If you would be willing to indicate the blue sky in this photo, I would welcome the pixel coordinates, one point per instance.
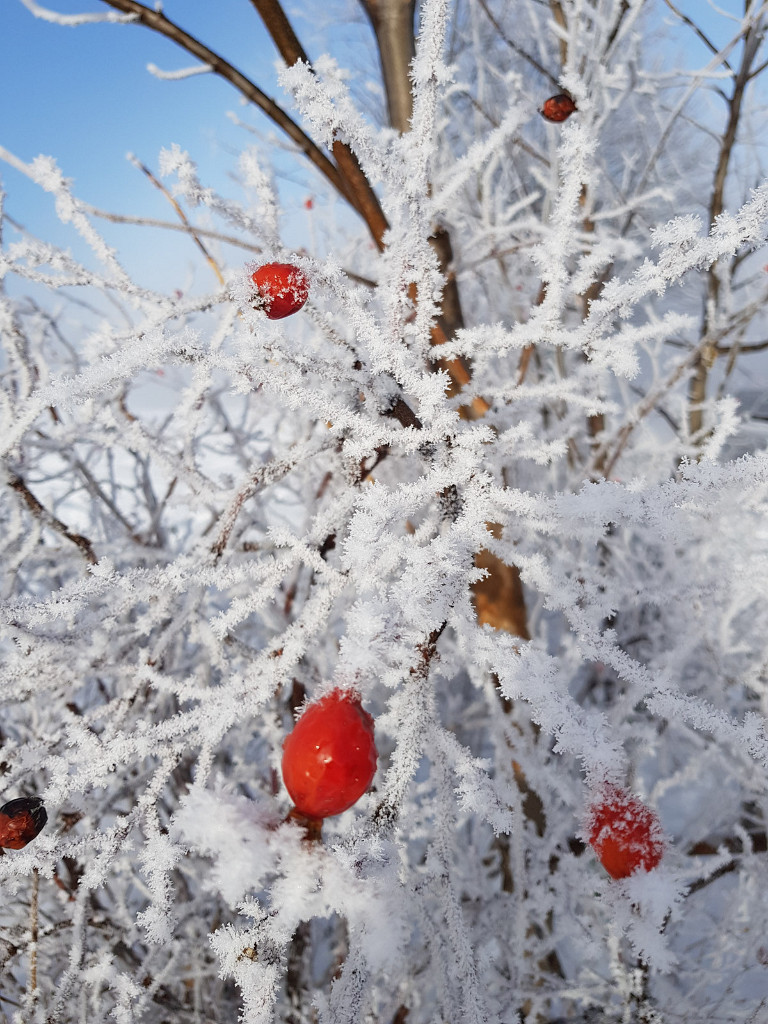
(84, 96)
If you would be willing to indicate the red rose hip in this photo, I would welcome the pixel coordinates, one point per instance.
(329, 759)
(283, 289)
(558, 108)
(20, 821)
(624, 833)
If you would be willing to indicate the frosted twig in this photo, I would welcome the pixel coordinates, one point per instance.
(182, 217)
(72, 20)
(181, 73)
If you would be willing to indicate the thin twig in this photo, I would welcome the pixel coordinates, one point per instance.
(182, 217)
(48, 519)
(158, 22)
(745, 350)
(691, 24)
(697, 388)
(185, 228)
(216, 236)
(518, 49)
(603, 464)
(387, 811)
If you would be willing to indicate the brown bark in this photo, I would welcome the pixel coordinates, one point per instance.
(559, 16)
(499, 599)
(359, 189)
(345, 176)
(393, 26)
(41, 513)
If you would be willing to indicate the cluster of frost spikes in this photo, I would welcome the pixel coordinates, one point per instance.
(210, 519)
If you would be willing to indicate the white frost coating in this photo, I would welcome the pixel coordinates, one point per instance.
(181, 73)
(73, 20)
(234, 833)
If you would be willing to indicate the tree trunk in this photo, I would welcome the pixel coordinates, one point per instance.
(393, 25)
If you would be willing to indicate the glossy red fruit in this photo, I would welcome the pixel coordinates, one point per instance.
(329, 759)
(283, 289)
(558, 108)
(624, 833)
(20, 821)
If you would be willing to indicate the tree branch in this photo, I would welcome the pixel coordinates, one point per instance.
(518, 49)
(691, 24)
(47, 518)
(697, 391)
(358, 188)
(758, 346)
(158, 22)
(393, 25)
(183, 218)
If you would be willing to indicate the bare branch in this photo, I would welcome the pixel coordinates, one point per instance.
(167, 225)
(182, 217)
(357, 187)
(758, 346)
(33, 993)
(605, 460)
(281, 30)
(48, 519)
(194, 230)
(698, 384)
(518, 49)
(393, 25)
(691, 24)
(158, 22)
(754, 38)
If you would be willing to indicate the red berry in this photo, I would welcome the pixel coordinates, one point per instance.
(20, 821)
(624, 833)
(283, 289)
(329, 759)
(558, 108)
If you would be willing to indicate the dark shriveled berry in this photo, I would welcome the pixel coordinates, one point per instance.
(558, 108)
(20, 821)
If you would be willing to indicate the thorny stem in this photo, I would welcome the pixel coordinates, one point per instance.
(297, 988)
(387, 811)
